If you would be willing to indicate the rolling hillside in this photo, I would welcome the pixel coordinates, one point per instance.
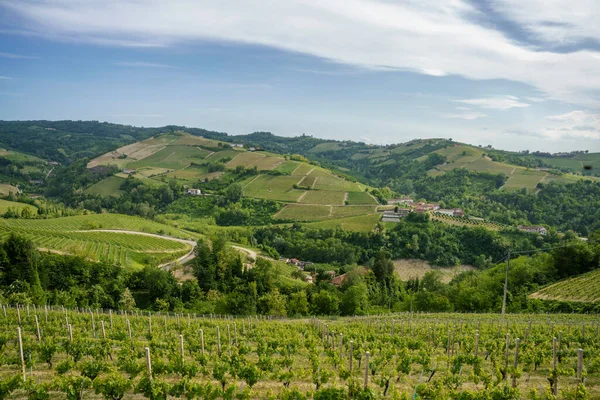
(312, 193)
(583, 288)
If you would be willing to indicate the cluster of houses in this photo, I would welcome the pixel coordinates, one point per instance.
(408, 206)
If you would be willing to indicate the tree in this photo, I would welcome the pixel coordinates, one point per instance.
(127, 302)
(383, 267)
(325, 303)
(273, 303)
(234, 193)
(297, 304)
(355, 301)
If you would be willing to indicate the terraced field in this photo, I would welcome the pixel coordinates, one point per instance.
(465, 221)
(583, 288)
(95, 237)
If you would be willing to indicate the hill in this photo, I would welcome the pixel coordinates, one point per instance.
(120, 239)
(583, 288)
(308, 191)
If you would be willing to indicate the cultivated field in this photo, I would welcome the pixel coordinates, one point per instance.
(360, 198)
(362, 223)
(297, 212)
(583, 288)
(407, 269)
(273, 188)
(408, 355)
(97, 237)
(323, 197)
(5, 205)
(107, 187)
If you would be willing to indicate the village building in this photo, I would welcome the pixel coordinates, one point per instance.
(533, 229)
(129, 171)
(402, 200)
(453, 212)
(194, 192)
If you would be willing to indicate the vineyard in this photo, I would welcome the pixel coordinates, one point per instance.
(466, 221)
(583, 288)
(94, 355)
(96, 237)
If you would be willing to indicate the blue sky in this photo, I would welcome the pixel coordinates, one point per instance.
(517, 75)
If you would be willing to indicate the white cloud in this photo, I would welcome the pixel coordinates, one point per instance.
(142, 64)
(6, 78)
(495, 102)
(435, 37)
(15, 56)
(575, 124)
(554, 21)
(469, 116)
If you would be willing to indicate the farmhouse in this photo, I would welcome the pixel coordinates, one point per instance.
(194, 192)
(402, 200)
(423, 207)
(453, 212)
(300, 264)
(129, 171)
(392, 216)
(238, 145)
(340, 279)
(533, 229)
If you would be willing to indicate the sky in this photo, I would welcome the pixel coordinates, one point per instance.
(514, 74)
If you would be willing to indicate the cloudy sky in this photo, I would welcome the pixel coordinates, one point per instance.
(517, 74)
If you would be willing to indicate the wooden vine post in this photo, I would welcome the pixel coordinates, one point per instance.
(202, 341)
(219, 341)
(20, 339)
(580, 365)
(366, 370)
(555, 366)
(70, 329)
(350, 355)
(514, 381)
(148, 362)
(37, 329)
(103, 330)
(506, 355)
(476, 343)
(181, 348)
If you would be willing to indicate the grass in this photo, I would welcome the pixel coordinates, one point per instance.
(297, 212)
(323, 147)
(273, 188)
(335, 184)
(5, 189)
(5, 205)
(107, 187)
(360, 198)
(268, 163)
(323, 197)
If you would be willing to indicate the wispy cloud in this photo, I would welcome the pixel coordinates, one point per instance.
(428, 37)
(236, 85)
(469, 116)
(495, 102)
(6, 78)
(575, 124)
(15, 56)
(142, 64)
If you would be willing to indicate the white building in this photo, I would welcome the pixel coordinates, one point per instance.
(194, 192)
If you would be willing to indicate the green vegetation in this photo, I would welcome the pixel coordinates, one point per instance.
(297, 212)
(583, 288)
(355, 198)
(15, 209)
(323, 197)
(110, 186)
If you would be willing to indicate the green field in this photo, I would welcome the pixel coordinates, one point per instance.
(5, 205)
(287, 167)
(303, 169)
(171, 157)
(297, 212)
(323, 197)
(247, 159)
(583, 288)
(334, 183)
(107, 187)
(360, 198)
(362, 223)
(273, 188)
(524, 179)
(350, 211)
(83, 236)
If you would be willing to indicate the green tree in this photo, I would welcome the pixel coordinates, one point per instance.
(355, 300)
(298, 304)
